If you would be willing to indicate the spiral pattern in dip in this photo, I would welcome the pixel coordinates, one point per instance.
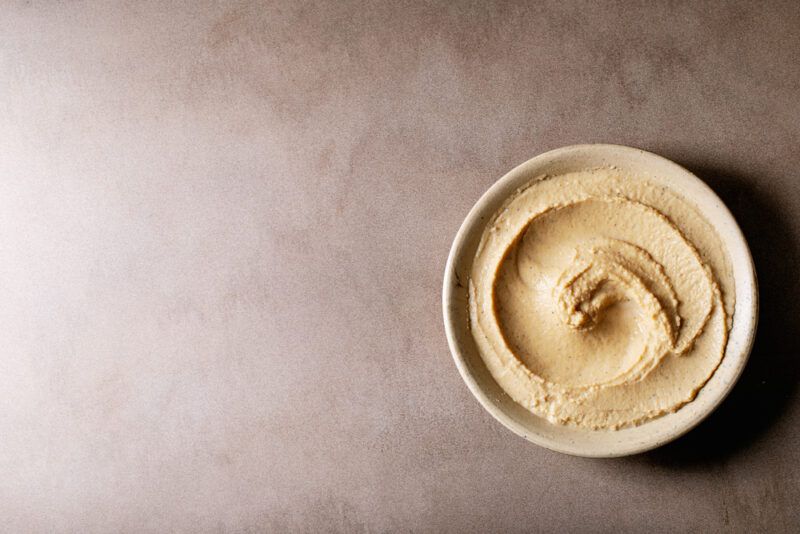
(600, 300)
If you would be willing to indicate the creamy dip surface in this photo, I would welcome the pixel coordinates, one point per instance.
(599, 299)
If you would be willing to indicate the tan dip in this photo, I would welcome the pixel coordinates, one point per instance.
(600, 300)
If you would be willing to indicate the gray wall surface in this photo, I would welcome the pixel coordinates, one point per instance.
(223, 229)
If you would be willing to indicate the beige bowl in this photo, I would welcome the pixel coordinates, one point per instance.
(598, 443)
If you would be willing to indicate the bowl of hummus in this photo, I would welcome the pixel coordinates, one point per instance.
(600, 300)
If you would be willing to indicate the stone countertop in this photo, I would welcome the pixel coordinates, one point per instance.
(224, 227)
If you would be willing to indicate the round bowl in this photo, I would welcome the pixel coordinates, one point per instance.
(577, 441)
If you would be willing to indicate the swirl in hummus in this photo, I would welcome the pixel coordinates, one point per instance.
(600, 300)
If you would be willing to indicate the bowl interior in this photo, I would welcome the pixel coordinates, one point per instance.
(579, 441)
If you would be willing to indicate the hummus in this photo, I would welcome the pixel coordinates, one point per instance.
(600, 300)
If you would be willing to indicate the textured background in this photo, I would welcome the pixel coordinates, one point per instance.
(223, 229)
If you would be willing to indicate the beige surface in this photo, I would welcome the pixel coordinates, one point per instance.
(223, 231)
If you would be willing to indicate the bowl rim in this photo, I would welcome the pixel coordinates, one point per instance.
(473, 219)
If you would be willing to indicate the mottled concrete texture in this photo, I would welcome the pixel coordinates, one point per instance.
(223, 229)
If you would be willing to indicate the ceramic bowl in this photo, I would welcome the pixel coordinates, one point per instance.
(582, 442)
